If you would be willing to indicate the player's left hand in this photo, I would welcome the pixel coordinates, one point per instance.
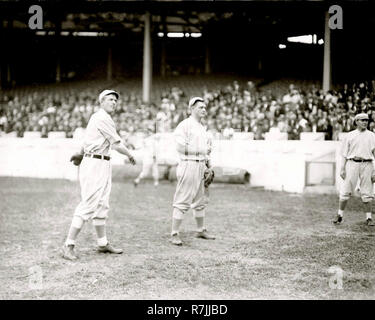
(76, 159)
(208, 177)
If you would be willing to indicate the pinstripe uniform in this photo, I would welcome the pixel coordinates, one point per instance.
(95, 175)
(190, 191)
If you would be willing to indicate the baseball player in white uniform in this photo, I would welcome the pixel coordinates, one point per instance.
(193, 147)
(149, 159)
(95, 175)
(358, 152)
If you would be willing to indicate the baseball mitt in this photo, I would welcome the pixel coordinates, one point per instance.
(76, 159)
(208, 177)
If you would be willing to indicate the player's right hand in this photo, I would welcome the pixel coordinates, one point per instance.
(343, 174)
(132, 160)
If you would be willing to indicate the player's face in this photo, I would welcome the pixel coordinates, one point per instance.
(362, 124)
(200, 109)
(109, 103)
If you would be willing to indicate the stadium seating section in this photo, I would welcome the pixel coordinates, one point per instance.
(237, 108)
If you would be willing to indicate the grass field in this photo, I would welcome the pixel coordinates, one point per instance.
(270, 245)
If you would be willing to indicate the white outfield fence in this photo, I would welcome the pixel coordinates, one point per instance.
(281, 165)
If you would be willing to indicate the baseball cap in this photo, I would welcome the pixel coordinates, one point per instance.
(361, 116)
(107, 92)
(194, 100)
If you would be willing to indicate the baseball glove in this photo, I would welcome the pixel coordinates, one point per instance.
(208, 177)
(76, 159)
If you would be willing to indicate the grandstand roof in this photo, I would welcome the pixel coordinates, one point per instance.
(283, 17)
(242, 36)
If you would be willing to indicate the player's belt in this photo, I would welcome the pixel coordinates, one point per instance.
(361, 160)
(97, 156)
(202, 160)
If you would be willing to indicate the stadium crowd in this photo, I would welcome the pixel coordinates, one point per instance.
(247, 107)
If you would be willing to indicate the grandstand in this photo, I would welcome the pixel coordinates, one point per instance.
(220, 48)
(231, 105)
(257, 82)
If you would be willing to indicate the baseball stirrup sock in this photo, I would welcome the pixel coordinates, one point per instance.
(98, 222)
(368, 215)
(199, 213)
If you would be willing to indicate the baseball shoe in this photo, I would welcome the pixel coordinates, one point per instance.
(337, 220)
(68, 252)
(109, 249)
(135, 183)
(370, 223)
(205, 235)
(175, 239)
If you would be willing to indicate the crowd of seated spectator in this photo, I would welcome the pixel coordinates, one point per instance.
(297, 110)
(278, 107)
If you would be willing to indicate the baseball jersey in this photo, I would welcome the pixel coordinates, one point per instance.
(193, 142)
(100, 134)
(359, 144)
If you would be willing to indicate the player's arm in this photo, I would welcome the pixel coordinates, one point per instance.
(373, 168)
(208, 163)
(107, 128)
(373, 149)
(154, 148)
(120, 147)
(209, 149)
(344, 158)
(343, 166)
(181, 139)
